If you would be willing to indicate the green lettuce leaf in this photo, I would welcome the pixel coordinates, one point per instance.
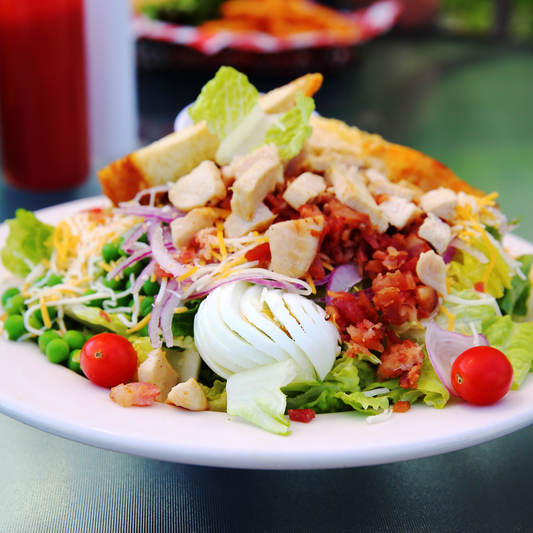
(359, 402)
(229, 104)
(435, 393)
(296, 128)
(465, 270)
(515, 340)
(256, 396)
(183, 323)
(28, 243)
(216, 396)
(95, 319)
(515, 299)
(465, 314)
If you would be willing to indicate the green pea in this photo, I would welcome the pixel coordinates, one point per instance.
(74, 361)
(57, 351)
(35, 322)
(119, 247)
(14, 325)
(45, 338)
(89, 336)
(15, 305)
(114, 284)
(9, 294)
(146, 305)
(99, 302)
(124, 301)
(52, 313)
(143, 238)
(143, 332)
(54, 279)
(134, 269)
(151, 288)
(74, 339)
(110, 252)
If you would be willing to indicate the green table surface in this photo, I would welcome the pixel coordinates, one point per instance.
(468, 104)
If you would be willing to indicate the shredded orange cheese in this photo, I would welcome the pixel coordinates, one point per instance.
(220, 237)
(187, 274)
(309, 280)
(44, 312)
(451, 318)
(140, 325)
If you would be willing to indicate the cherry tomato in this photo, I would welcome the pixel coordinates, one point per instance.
(482, 375)
(108, 360)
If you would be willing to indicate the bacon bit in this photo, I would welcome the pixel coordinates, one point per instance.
(401, 407)
(280, 207)
(391, 334)
(479, 286)
(404, 360)
(391, 259)
(364, 337)
(397, 307)
(399, 280)
(134, 394)
(427, 299)
(260, 253)
(301, 415)
(161, 273)
(316, 270)
(105, 316)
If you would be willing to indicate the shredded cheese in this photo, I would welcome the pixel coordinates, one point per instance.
(451, 318)
(140, 324)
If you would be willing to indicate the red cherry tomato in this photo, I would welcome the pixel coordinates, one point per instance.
(108, 360)
(482, 375)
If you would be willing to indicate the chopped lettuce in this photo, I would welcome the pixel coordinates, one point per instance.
(358, 401)
(435, 393)
(515, 299)
(229, 104)
(28, 243)
(96, 319)
(183, 323)
(216, 396)
(515, 340)
(256, 395)
(465, 270)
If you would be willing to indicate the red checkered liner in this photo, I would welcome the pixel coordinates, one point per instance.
(369, 23)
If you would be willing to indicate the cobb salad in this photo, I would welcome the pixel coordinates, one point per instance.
(297, 268)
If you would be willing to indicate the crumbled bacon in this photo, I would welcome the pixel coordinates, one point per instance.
(364, 337)
(401, 407)
(301, 415)
(427, 299)
(350, 309)
(403, 360)
(316, 270)
(280, 207)
(135, 394)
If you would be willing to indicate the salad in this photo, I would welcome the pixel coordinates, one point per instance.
(299, 267)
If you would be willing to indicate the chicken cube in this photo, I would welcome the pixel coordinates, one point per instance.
(442, 202)
(235, 226)
(351, 191)
(431, 270)
(185, 228)
(436, 232)
(241, 163)
(379, 184)
(157, 370)
(188, 395)
(202, 187)
(399, 212)
(304, 188)
(294, 245)
(253, 185)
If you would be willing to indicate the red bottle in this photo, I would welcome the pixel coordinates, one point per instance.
(43, 104)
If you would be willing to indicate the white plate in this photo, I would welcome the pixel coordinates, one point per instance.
(56, 400)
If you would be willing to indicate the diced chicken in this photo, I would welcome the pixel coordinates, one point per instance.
(189, 395)
(464, 200)
(436, 232)
(379, 184)
(351, 191)
(431, 270)
(228, 175)
(185, 228)
(157, 370)
(253, 185)
(304, 188)
(399, 212)
(134, 394)
(202, 187)
(442, 202)
(235, 226)
(241, 163)
(294, 245)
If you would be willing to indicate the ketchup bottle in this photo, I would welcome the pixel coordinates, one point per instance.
(43, 103)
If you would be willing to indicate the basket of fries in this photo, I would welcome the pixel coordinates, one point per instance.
(257, 36)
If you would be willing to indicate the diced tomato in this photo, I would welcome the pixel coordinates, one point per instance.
(401, 407)
(479, 286)
(260, 253)
(301, 415)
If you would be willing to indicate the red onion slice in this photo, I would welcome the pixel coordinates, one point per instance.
(161, 255)
(168, 214)
(167, 313)
(448, 255)
(343, 278)
(444, 347)
(145, 275)
(129, 244)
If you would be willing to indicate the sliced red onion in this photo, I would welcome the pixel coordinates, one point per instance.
(167, 313)
(323, 281)
(152, 190)
(444, 347)
(145, 275)
(128, 244)
(149, 213)
(162, 256)
(343, 278)
(449, 254)
(137, 256)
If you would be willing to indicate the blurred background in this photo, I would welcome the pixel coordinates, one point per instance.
(451, 78)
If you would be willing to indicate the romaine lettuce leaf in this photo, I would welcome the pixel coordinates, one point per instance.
(435, 393)
(256, 395)
(96, 319)
(515, 299)
(216, 396)
(183, 323)
(360, 402)
(515, 340)
(28, 243)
